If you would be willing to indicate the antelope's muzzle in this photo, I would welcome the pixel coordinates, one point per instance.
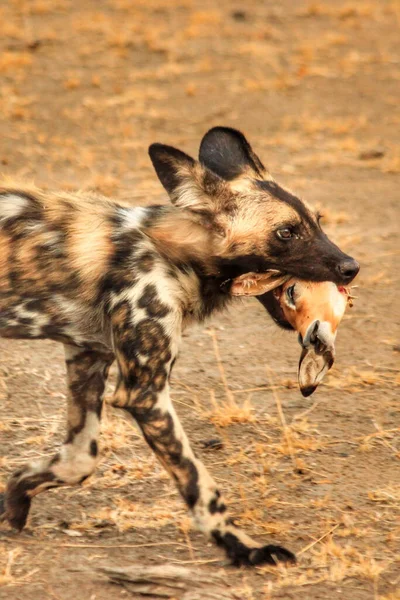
(317, 356)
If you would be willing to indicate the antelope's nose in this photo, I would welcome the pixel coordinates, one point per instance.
(348, 269)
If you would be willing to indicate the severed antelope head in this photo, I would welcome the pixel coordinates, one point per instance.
(314, 310)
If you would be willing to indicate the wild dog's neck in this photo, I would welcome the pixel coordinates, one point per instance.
(188, 246)
(180, 237)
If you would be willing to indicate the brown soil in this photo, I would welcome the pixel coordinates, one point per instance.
(85, 87)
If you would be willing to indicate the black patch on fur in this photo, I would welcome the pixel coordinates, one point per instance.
(284, 196)
(240, 554)
(144, 262)
(17, 502)
(213, 297)
(151, 337)
(215, 507)
(26, 320)
(2, 507)
(120, 274)
(93, 448)
(35, 305)
(159, 432)
(152, 304)
(191, 492)
(56, 459)
(229, 268)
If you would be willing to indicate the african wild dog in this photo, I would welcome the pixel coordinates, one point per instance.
(114, 282)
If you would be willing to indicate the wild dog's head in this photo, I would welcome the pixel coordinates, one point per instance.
(257, 225)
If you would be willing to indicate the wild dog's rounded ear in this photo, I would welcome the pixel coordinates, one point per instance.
(171, 165)
(188, 184)
(227, 153)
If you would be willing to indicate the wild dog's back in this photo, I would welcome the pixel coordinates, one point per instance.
(63, 256)
(54, 250)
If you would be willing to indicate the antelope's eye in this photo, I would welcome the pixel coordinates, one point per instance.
(290, 296)
(284, 234)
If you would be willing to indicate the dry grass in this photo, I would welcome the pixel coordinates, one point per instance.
(14, 62)
(354, 379)
(228, 411)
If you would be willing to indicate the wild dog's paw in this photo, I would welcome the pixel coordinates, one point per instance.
(271, 555)
(14, 507)
(241, 554)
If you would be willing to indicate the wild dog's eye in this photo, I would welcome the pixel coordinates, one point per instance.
(290, 296)
(285, 233)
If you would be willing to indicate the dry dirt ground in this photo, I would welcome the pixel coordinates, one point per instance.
(85, 86)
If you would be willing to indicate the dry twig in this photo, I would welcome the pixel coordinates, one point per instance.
(169, 581)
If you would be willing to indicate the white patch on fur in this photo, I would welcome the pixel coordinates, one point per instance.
(133, 217)
(338, 301)
(190, 195)
(71, 352)
(11, 206)
(76, 461)
(325, 331)
(203, 519)
(39, 319)
(52, 238)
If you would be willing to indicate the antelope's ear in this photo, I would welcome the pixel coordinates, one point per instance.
(189, 184)
(227, 153)
(256, 284)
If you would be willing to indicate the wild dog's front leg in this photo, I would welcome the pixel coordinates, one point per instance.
(166, 437)
(143, 391)
(76, 460)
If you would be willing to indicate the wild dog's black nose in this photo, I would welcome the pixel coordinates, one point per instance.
(348, 269)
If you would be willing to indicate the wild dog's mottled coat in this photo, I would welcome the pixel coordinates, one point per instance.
(115, 282)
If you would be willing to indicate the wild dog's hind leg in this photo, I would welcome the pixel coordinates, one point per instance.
(144, 355)
(86, 375)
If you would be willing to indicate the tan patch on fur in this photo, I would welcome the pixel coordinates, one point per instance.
(255, 218)
(74, 413)
(4, 261)
(90, 248)
(120, 397)
(245, 182)
(84, 217)
(180, 238)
